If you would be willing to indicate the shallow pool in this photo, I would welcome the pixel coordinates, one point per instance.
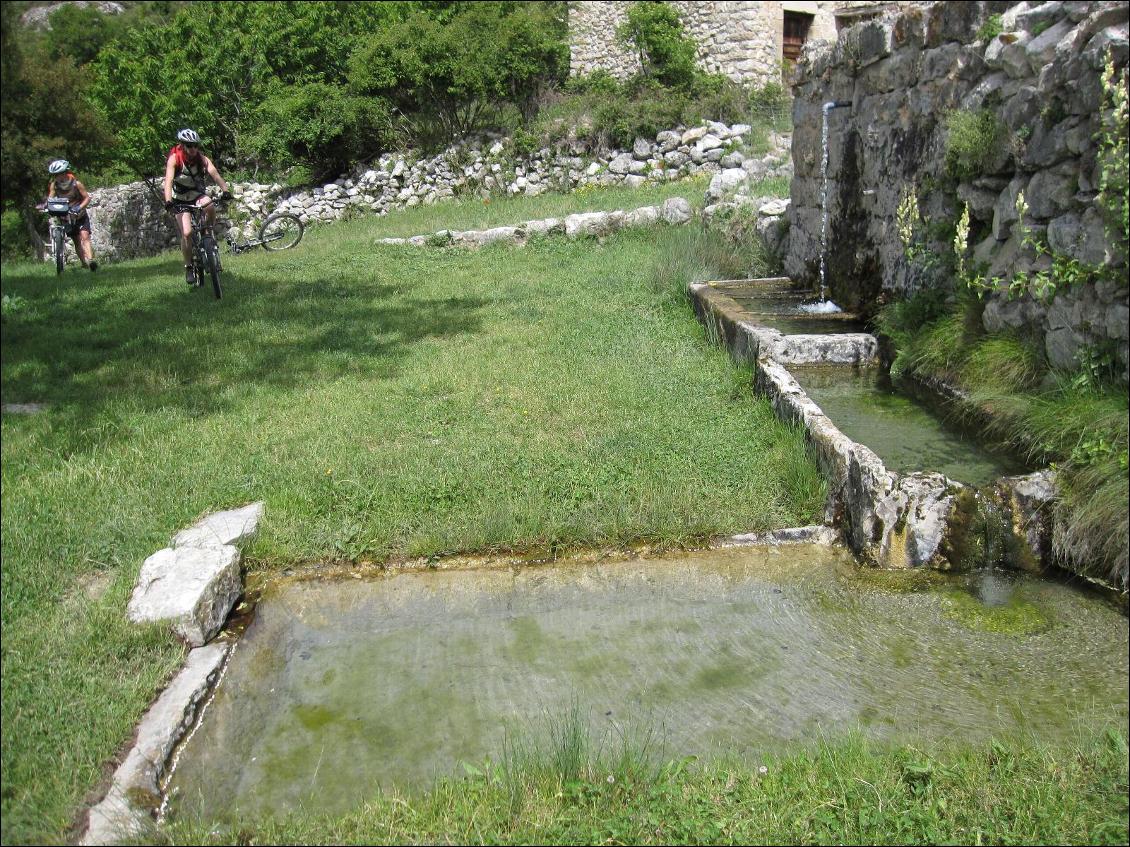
(905, 433)
(338, 688)
(779, 306)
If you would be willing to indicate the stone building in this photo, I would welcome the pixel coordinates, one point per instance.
(746, 41)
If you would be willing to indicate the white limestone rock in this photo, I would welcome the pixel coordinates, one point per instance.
(676, 210)
(222, 528)
(192, 588)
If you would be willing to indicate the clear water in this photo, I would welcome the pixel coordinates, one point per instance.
(790, 310)
(339, 688)
(904, 433)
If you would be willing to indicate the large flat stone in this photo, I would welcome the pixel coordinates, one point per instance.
(125, 813)
(192, 588)
(222, 528)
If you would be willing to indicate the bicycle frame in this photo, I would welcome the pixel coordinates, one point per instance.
(200, 251)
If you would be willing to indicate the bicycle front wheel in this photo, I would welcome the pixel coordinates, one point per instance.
(281, 231)
(212, 256)
(59, 246)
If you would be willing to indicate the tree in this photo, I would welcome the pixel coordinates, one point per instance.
(316, 124)
(666, 53)
(457, 65)
(43, 116)
(213, 64)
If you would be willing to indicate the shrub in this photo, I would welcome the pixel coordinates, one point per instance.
(974, 140)
(320, 126)
(990, 29)
(666, 53)
(459, 68)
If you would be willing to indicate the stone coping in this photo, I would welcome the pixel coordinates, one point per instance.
(125, 813)
(673, 211)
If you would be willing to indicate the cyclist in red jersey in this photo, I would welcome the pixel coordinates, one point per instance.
(185, 171)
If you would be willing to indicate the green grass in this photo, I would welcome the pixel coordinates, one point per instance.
(383, 401)
(571, 791)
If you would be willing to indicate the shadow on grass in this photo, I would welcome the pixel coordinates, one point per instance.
(93, 351)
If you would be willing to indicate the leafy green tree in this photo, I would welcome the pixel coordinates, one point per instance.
(459, 65)
(43, 116)
(213, 64)
(666, 53)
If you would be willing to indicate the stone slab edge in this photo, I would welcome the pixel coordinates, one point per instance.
(125, 812)
(818, 534)
(572, 226)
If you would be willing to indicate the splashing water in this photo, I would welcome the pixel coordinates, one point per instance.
(824, 307)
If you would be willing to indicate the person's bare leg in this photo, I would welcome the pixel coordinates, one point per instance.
(86, 250)
(186, 243)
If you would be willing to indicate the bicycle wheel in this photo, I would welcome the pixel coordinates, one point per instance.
(281, 231)
(58, 244)
(212, 260)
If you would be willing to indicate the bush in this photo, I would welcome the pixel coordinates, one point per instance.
(973, 142)
(459, 69)
(14, 241)
(320, 126)
(666, 54)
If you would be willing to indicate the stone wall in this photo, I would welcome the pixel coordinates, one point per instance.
(739, 39)
(903, 75)
(128, 221)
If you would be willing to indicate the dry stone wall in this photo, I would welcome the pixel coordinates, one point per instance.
(128, 221)
(903, 75)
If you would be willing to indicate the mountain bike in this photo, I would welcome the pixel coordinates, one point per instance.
(205, 251)
(280, 231)
(62, 221)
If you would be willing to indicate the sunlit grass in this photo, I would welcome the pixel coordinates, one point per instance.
(383, 401)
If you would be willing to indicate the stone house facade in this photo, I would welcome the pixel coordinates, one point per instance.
(746, 41)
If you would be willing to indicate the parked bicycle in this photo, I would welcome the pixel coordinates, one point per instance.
(205, 251)
(280, 231)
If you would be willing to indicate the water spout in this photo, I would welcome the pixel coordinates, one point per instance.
(828, 107)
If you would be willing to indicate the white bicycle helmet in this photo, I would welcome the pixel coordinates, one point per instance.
(188, 136)
(59, 166)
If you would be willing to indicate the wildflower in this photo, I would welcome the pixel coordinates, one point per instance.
(763, 770)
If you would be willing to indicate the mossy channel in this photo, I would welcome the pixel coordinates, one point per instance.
(338, 689)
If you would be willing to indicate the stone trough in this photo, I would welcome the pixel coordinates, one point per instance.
(889, 519)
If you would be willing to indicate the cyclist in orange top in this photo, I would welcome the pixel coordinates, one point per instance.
(66, 185)
(185, 171)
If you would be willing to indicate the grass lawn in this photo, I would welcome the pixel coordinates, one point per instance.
(383, 401)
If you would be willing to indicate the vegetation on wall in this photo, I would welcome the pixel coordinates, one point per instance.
(666, 52)
(974, 140)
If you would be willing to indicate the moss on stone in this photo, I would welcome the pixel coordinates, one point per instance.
(1015, 618)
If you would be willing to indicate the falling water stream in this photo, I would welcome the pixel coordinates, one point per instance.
(825, 305)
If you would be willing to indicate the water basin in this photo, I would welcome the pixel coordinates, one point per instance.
(905, 433)
(778, 306)
(338, 688)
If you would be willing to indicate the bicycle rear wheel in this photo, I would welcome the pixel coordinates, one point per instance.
(58, 244)
(212, 256)
(281, 231)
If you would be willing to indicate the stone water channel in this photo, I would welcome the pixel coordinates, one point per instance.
(341, 688)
